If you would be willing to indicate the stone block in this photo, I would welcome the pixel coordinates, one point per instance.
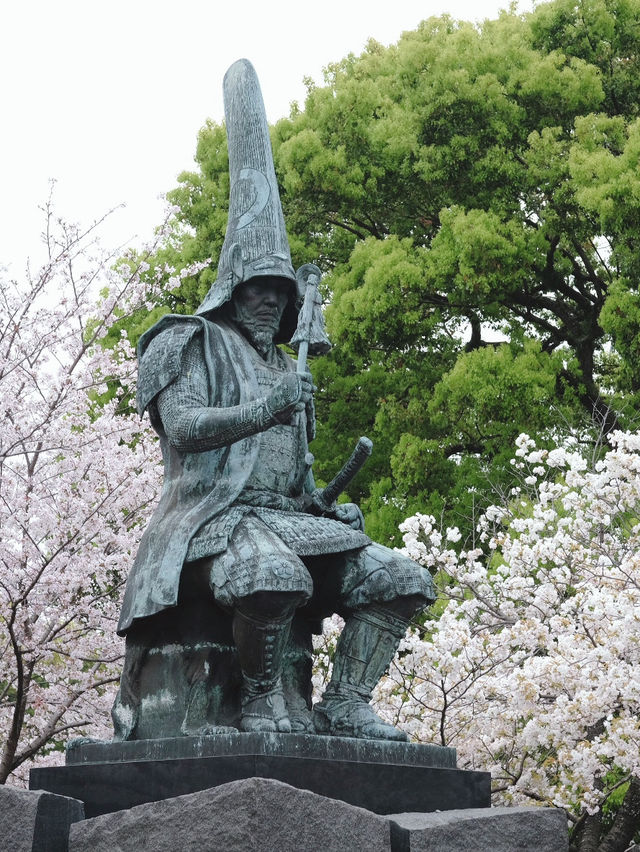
(255, 815)
(517, 829)
(36, 821)
(268, 744)
(383, 777)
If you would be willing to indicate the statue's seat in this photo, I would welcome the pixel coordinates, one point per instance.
(187, 679)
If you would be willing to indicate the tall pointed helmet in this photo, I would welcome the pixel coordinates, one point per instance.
(255, 244)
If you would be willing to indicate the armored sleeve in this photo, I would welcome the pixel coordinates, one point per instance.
(190, 424)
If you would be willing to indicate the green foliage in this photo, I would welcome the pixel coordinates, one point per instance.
(493, 391)
(467, 184)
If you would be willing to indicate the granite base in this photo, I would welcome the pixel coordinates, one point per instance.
(382, 777)
(263, 815)
(36, 821)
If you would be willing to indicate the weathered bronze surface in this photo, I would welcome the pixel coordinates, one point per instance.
(243, 557)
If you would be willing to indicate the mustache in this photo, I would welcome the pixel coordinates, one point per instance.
(265, 317)
(270, 315)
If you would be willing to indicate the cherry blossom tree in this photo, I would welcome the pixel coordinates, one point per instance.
(77, 479)
(530, 666)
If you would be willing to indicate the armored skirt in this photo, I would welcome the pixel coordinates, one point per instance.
(274, 551)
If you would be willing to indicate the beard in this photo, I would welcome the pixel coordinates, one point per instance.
(259, 330)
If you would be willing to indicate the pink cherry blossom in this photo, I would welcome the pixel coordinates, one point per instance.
(77, 480)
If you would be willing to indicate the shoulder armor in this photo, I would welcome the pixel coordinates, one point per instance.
(160, 352)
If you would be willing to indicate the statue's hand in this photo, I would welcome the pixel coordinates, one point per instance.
(292, 393)
(349, 514)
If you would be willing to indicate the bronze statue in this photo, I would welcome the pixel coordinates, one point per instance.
(243, 556)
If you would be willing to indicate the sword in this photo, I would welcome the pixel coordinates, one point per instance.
(324, 499)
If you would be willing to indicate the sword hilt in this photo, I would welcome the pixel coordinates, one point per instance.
(325, 498)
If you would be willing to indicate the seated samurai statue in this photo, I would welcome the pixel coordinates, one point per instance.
(238, 564)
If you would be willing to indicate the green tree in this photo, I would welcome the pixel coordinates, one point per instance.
(467, 184)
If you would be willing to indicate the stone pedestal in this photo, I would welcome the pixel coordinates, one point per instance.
(380, 776)
(250, 792)
(481, 829)
(257, 814)
(36, 821)
(262, 815)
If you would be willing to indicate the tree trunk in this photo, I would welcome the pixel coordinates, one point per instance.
(626, 822)
(23, 677)
(597, 408)
(587, 835)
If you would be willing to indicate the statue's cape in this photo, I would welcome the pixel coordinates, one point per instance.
(197, 486)
(160, 353)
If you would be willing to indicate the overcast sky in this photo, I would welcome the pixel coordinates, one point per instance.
(107, 96)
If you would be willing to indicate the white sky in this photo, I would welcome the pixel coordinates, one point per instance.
(107, 96)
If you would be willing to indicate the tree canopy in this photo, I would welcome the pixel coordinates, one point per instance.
(472, 194)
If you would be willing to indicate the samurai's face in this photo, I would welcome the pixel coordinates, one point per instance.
(257, 307)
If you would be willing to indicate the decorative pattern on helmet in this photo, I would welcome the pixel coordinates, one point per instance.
(255, 243)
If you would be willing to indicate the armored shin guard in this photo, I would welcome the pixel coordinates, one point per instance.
(363, 654)
(260, 643)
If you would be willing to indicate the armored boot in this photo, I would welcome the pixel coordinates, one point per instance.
(363, 654)
(260, 643)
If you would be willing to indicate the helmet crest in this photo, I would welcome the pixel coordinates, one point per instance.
(255, 244)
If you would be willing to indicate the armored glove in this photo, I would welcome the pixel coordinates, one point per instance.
(292, 394)
(349, 514)
(346, 513)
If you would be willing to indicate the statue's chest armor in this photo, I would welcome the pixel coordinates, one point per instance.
(276, 467)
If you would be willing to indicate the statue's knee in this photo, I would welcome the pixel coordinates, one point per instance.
(381, 587)
(376, 586)
(407, 606)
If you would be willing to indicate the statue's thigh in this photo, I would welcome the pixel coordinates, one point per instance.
(256, 560)
(372, 574)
